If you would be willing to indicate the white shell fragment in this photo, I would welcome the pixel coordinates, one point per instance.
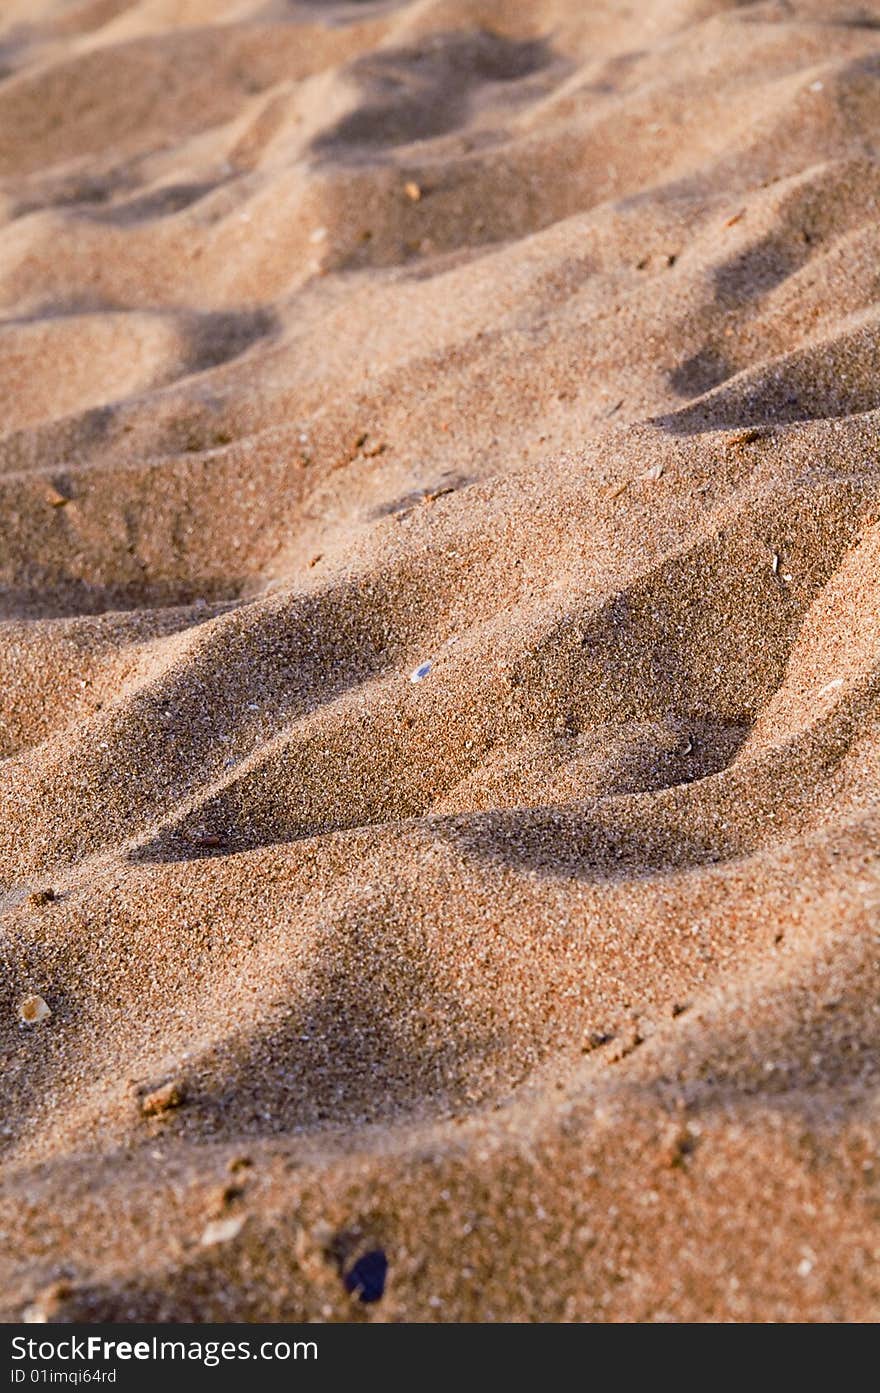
(222, 1230)
(419, 673)
(32, 1010)
(830, 687)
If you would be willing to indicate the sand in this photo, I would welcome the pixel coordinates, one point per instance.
(440, 660)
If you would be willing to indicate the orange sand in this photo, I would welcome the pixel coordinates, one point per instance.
(540, 342)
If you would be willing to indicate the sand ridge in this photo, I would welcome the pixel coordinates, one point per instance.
(538, 344)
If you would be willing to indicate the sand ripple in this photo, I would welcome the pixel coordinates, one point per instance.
(539, 344)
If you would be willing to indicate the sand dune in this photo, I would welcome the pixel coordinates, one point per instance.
(539, 344)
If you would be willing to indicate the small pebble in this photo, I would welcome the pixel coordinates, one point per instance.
(39, 898)
(223, 1197)
(163, 1099)
(629, 1039)
(47, 1304)
(33, 1009)
(677, 1145)
(366, 1278)
(238, 1163)
(222, 1230)
(204, 839)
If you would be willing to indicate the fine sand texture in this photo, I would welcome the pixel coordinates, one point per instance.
(440, 660)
